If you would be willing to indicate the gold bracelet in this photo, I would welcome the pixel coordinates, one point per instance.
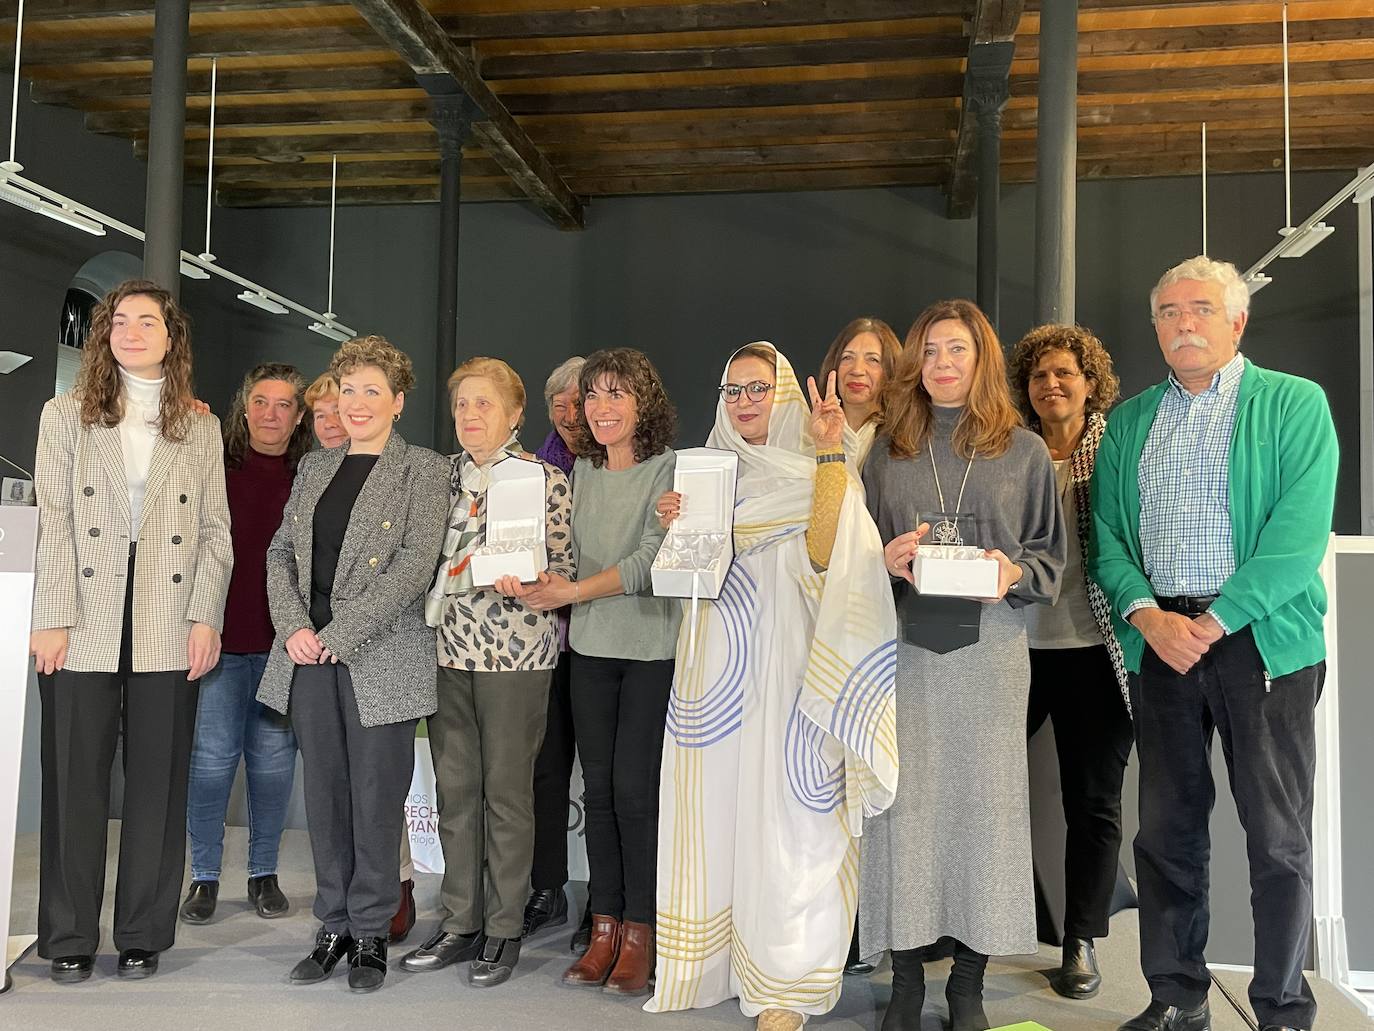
(577, 593)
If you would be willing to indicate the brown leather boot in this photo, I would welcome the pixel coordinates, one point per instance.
(596, 963)
(404, 919)
(636, 963)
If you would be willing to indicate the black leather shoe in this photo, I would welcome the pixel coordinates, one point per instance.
(1160, 1016)
(199, 906)
(137, 963)
(547, 907)
(443, 949)
(71, 969)
(582, 937)
(1078, 976)
(267, 897)
(367, 964)
(495, 963)
(329, 949)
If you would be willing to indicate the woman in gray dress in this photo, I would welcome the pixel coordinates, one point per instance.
(949, 862)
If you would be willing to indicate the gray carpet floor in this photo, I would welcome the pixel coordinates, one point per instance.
(230, 975)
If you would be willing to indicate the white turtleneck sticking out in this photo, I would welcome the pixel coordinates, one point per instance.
(138, 432)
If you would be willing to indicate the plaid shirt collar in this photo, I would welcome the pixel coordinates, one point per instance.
(1224, 381)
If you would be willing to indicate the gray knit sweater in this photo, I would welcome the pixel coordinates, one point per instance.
(614, 524)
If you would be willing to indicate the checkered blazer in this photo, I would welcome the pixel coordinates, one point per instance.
(184, 553)
(389, 555)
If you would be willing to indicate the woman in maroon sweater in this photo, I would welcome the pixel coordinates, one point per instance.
(264, 437)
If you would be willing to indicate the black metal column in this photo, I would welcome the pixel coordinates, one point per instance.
(452, 114)
(1056, 157)
(989, 94)
(166, 146)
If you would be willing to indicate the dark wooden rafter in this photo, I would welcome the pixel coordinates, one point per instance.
(418, 38)
(990, 50)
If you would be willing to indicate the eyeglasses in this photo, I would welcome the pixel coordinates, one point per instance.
(756, 390)
(1200, 312)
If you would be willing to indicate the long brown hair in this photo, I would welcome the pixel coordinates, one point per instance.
(236, 426)
(989, 414)
(632, 372)
(98, 386)
(891, 352)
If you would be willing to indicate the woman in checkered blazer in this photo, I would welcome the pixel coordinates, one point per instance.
(133, 568)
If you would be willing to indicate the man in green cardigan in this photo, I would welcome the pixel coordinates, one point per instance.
(1212, 502)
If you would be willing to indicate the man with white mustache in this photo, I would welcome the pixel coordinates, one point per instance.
(1212, 501)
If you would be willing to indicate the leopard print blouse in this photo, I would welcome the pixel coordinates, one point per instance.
(487, 632)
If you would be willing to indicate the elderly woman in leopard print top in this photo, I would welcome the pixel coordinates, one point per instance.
(496, 657)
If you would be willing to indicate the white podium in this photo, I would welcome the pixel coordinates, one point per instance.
(18, 540)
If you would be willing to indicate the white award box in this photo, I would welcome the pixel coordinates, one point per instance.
(954, 571)
(696, 554)
(515, 525)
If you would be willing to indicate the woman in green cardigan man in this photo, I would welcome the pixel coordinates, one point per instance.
(1212, 506)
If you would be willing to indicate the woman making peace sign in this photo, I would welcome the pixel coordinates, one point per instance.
(781, 734)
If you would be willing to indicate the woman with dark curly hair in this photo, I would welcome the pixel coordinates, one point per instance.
(1064, 384)
(863, 358)
(134, 561)
(623, 640)
(353, 659)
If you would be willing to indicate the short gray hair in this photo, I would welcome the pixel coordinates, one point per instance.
(1235, 294)
(562, 378)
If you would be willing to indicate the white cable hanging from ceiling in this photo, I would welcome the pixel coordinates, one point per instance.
(327, 327)
(32, 196)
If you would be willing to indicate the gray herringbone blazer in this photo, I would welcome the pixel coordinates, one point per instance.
(184, 552)
(389, 555)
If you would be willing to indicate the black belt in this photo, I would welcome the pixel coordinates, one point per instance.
(1188, 605)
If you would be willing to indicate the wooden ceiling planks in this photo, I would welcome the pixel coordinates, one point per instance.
(654, 96)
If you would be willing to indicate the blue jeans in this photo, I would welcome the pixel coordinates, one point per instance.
(231, 723)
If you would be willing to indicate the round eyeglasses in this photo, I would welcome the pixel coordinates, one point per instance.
(757, 391)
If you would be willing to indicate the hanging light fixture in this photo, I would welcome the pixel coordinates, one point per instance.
(258, 299)
(326, 327)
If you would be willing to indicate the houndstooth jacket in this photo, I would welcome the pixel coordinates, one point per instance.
(388, 558)
(181, 576)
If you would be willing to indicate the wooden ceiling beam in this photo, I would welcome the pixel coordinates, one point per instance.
(758, 55)
(412, 31)
(990, 49)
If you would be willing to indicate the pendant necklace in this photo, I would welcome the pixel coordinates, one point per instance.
(946, 531)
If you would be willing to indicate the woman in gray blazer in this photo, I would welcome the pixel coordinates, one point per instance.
(353, 660)
(133, 568)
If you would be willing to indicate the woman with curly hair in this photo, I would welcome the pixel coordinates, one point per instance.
(353, 659)
(1064, 383)
(863, 358)
(948, 865)
(623, 640)
(134, 559)
(264, 439)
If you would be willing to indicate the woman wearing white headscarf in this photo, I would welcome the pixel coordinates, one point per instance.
(781, 733)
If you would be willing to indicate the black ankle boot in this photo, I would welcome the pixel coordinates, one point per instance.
(908, 992)
(964, 990)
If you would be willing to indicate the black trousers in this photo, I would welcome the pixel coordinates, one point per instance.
(1268, 736)
(1077, 690)
(619, 707)
(552, 776)
(82, 715)
(356, 782)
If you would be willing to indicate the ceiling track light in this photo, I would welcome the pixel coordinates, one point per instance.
(1364, 193)
(191, 271)
(27, 201)
(1257, 282)
(1304, 240)
(328, 329)
(261, 300)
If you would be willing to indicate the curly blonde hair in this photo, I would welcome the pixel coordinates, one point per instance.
(1092, 358)
(507, 380)
(380, 353)
(325, 388)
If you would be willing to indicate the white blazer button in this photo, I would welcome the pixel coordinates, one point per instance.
(386, 524)
(372, 561)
